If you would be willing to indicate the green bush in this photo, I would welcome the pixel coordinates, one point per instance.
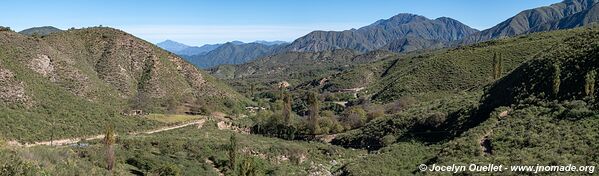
(168, 170)
(354, 117)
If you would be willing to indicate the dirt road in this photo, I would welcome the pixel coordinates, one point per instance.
(68, 141)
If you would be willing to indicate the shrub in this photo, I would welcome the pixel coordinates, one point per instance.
(389, 139)
(329, 124)
(354, 117)
(400, 104)
(375, 112)
(251, 166)
(16, 166)
(168, 170)
(142, 162)
(434, 119)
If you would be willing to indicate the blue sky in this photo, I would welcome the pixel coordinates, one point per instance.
(217, 21)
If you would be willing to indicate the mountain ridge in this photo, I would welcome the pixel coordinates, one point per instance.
(535, 20)
(381, 32)
(231, 53)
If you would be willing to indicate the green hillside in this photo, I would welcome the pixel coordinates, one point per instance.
(187, 151)
(78, 80)
(544, 125)
(292, 67)
(520, 119)
(461, 68)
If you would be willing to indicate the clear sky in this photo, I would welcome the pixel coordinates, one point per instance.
(217, 21)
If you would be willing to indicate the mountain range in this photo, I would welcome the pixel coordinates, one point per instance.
(400, 33)
(231, 53)
(210, 55)
(564, 15)
(408, 32)
(398, 28)
(186, 50)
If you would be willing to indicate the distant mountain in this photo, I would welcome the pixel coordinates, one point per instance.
(276, 42)
(563, 15)
(172, 46)
(194, 50)
(185, 50)
(232, 53)
(382, 32)
(42, 31)
(236, 42)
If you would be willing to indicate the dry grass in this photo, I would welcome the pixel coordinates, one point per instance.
(172, 118)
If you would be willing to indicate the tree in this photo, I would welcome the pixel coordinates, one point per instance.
(140, 101)
(497, 66)
(252, 90)
(232, 152)
(171, 106)
(109, 141)
(2, 28)
(287, 108)
(313, 111)
(500, 67)
(589, 83)
(250, 166)
(354, 117)
(556, 79)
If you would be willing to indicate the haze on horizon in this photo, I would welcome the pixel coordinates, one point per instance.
(197, 23)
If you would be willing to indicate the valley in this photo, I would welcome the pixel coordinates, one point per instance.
(388, 98)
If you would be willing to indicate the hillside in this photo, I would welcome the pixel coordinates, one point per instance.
(564, 15)
(562, 116)
(79, 80)
(571, 63)
(300, 69)
(451, 81)
(41, 31)
(408, 44)
(383, 32)
(461, 68)
(524, 114)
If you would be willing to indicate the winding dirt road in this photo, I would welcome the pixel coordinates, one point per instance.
(60, 142)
